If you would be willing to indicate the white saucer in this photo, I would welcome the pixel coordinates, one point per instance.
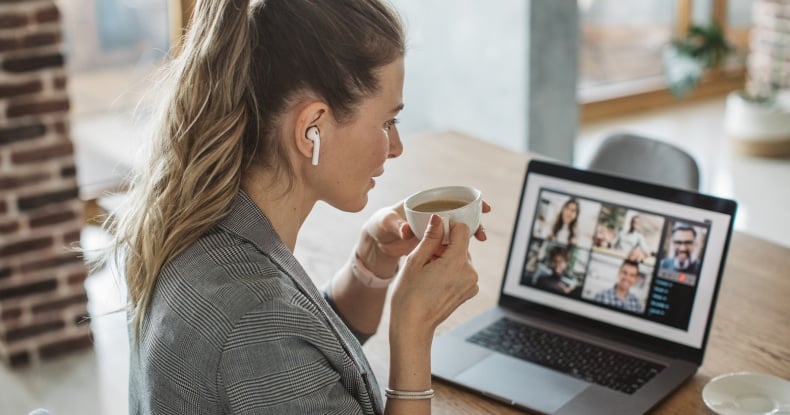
(747, 393)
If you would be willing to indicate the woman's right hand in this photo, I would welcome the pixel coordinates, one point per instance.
(435, 280)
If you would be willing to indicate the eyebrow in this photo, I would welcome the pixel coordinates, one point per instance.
(398, 108)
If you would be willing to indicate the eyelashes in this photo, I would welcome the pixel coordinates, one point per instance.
(389, 124)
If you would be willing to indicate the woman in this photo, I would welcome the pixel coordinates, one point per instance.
(632, 242)
(564, 228)
(275, 105)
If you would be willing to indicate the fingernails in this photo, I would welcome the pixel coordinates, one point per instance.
(436, 220)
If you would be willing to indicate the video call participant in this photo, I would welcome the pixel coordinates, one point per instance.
(564, 228)
(632, 242)
(620, 295)
(684, 238)
(558, 261)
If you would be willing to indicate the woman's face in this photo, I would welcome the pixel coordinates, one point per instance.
(360, 147)
(569, 212)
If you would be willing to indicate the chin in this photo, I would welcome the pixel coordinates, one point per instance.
(354, 205)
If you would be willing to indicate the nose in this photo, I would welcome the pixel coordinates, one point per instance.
(396, 146)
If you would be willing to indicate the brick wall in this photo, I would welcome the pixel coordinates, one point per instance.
(42, 295)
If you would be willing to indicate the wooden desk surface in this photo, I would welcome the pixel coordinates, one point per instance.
(751, 330)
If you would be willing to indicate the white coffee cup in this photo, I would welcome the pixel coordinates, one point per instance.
(454, 204)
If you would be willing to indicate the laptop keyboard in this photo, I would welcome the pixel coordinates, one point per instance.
(576, 358)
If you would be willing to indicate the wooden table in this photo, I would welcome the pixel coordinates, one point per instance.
(751, 330)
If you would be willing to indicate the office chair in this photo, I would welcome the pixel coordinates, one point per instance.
(646, 159)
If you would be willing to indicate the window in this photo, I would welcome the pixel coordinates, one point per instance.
(621, 44)
(112, 48)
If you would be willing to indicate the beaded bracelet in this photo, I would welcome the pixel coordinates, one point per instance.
(409, 395)
(366, 276)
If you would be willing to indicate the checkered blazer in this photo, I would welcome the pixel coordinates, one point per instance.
(236, 326)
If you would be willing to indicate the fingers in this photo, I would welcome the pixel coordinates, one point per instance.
(392, 222)
(436, 278)
(431, 240)
(459, 237)
(469, 286)
(480, 235)
(385, 221)
(459, 240)
(405, 231)
(439, 251)
(473, 291)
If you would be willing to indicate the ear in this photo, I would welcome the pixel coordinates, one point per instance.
(313, 114)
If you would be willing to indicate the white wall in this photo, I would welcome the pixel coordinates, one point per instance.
(503, 71)
(466, 68)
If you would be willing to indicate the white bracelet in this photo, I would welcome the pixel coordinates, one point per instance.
(366, 276)
(409, 395)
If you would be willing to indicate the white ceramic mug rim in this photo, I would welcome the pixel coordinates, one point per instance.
(410, 201)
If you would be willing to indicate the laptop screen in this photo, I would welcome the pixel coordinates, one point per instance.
(638, 256)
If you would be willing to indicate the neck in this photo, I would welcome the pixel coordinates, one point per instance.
(286, 208)
(620, 292)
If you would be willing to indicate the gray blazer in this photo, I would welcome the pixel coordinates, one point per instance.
(237, 326)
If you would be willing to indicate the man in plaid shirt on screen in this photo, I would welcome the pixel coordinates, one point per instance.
(620, 296)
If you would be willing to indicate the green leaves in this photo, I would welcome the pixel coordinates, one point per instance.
(685, 60)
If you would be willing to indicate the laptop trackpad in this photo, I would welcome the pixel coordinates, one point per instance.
(524, 383)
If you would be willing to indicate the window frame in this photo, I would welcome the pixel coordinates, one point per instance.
(714, 83)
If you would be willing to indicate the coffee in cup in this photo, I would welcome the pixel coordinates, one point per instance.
(451, 203)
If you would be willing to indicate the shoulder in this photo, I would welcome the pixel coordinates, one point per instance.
(223, 266)
(221, 287)
(210, 287)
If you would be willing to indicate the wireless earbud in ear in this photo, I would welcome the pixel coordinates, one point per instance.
(312, 135)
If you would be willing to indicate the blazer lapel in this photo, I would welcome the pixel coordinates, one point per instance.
(249, 222)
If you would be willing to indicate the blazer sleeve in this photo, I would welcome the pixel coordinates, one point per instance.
(273, 363)
(361, 337)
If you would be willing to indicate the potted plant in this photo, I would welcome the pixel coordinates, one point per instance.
(686, 59)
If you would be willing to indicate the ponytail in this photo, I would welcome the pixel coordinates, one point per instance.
(195, 166)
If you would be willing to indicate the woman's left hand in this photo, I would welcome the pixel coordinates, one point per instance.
(386, 237)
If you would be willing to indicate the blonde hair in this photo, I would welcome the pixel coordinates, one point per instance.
(240, 64)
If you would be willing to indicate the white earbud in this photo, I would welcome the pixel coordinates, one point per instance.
(312, 135)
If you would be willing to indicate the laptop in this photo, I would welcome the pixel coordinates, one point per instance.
(607, 298)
